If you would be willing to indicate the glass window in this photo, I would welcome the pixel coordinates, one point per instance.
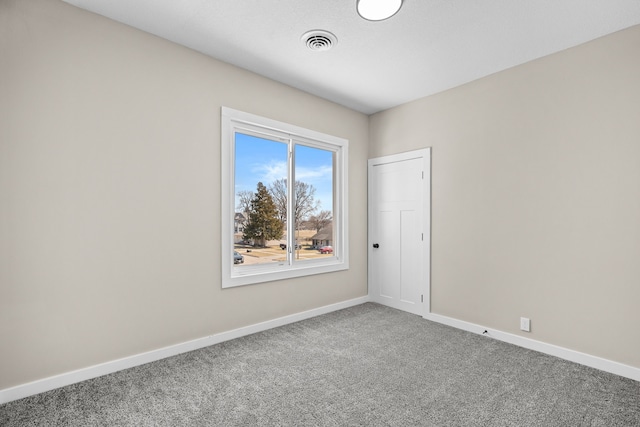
(273, 230)
(260, 163)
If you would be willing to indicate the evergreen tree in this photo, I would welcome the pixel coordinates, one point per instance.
(264, 223)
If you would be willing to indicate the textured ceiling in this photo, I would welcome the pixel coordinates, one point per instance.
(428, 47)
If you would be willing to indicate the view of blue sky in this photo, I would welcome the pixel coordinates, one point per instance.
(263, 160)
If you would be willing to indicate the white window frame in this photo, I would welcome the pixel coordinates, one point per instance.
(233, 121)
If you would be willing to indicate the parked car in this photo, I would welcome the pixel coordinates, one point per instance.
(326, 250)
(237, 258)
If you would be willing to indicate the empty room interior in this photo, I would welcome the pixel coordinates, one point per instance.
(117, 200)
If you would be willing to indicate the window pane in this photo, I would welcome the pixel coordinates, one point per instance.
(259, 181)
(260, 218)
(313, 206)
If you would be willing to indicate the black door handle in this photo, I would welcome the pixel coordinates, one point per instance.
(375, 245)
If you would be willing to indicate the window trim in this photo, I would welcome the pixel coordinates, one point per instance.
(233, 276)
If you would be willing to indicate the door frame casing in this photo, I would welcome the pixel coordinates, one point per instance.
(425, 155)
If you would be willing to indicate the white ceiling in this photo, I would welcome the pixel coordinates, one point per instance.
(428, 47)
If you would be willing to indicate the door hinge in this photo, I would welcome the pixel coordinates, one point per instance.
(422, 237)
(421, 298)
(422, 174)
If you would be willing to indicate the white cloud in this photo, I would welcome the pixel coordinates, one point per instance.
(273, 171)
(269, 172)
(314, 174)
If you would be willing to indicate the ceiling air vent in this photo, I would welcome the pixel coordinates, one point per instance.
(319, 40)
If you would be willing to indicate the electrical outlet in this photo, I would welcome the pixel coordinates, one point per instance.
(525, 324)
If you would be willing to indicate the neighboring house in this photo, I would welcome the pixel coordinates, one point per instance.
(239, 221)
(324, 237)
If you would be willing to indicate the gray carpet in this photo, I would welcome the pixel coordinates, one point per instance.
(367, 365)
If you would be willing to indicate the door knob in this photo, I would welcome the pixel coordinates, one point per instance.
(375, 245)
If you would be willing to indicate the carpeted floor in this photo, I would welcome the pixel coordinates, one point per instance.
(368, 365)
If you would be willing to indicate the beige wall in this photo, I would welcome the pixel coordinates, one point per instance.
(110, 192)
(536, 196)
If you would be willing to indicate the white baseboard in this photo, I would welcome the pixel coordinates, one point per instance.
(553, 350)
(57, 381)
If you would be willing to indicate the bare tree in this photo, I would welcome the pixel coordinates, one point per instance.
(244, 206)
(320, 221)
(305, 203)
(244, 201)
(278, 191)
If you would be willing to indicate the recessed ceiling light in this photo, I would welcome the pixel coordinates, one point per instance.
(378, 10)
(319, 40)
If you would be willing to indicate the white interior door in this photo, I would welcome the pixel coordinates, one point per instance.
(399, 197)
